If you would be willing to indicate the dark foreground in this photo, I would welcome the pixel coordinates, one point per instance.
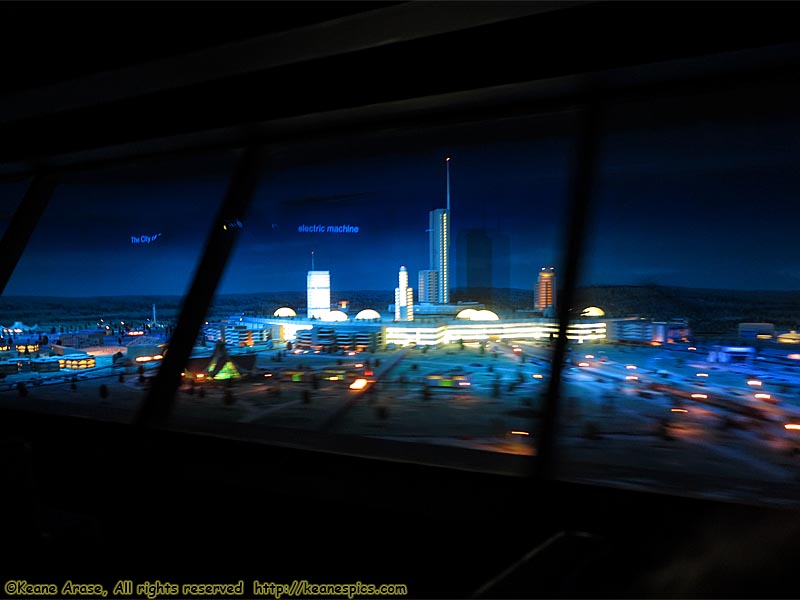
(100, 502)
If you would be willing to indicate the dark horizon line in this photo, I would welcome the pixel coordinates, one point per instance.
(180, 297)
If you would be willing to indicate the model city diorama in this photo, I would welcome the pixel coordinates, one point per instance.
(427, 368)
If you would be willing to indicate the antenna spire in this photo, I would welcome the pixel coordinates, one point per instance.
(312, 260)
(447, 162)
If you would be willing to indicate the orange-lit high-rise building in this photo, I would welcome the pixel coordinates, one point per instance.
(546, 288)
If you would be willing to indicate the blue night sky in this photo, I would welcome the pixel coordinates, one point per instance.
(688, 193)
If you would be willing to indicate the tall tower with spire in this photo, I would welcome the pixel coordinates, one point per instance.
(439, 243)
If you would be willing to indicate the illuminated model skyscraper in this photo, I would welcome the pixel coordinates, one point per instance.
(403, 298)
(318, 288)
(439, 240)
(440, 250)
(546, 289)
(319, 293)
(428, 286)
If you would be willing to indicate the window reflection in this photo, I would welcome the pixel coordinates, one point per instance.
(89, 310)
(385, 286)
(11, 194)
(692, 261)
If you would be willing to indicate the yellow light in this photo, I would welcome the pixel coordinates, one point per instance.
(691, 348)
(699, 396)
(358, 365)
(792, 426)
(200, 376)
(358, 384)
(633, 367)
(632, 378)
(583, 364)
(754, 382)
(537, 376)
(763, 396)
(793, 356)
(515, 432)
(142, 359)
(589, 356)
(680, 410)
(157, 356)
(702, 375)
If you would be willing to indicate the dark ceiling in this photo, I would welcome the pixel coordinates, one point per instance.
(58, 41)
(93, 75)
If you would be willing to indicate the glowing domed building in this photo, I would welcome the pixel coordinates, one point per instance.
(334, 315)
(368, 314)
(284, 312)
(484, 315)
(477, 315)
(789, 337)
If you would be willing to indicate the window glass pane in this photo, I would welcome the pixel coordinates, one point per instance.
(693, 259)
(343, 313)
(89, 310)
(11, 194)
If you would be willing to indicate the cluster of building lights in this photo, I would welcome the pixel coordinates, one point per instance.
(469, 326)
(144, 359)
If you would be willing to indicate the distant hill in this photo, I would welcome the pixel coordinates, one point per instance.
(708, 310)
(53, 310)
